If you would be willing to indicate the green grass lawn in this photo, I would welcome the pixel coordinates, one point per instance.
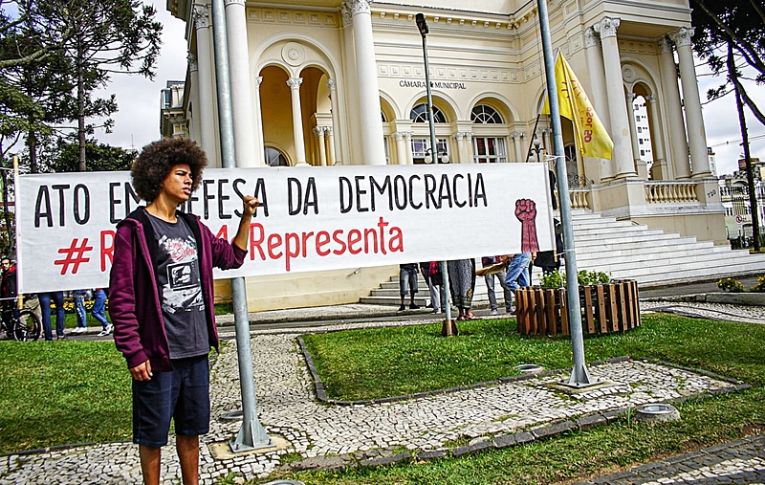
(62, 392)
(373, 363)
(77, 391)
(377, 362)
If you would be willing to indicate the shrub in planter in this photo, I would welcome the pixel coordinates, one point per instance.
(729, 284)
(760, 286)
(607, 306)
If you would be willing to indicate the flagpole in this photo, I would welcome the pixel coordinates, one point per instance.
(531, 138)
(580, 377)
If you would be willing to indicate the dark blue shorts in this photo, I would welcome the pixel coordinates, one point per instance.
(182, 394)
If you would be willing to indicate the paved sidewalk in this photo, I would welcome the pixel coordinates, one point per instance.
(741, 461)
(509, 412)
(497, 415)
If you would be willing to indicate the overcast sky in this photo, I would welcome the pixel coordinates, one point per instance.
(137, 122)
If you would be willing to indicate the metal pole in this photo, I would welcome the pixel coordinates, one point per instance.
(449, 328)
(580, 377)
(251, 435)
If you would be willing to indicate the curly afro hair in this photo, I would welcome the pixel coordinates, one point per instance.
(158, 158)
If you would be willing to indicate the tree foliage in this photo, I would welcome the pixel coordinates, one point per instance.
(739, 24)
(55, 55)
(64, 156)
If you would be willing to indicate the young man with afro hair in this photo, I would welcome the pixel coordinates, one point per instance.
(161, 302)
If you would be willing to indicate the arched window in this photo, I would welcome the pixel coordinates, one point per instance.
(485, 114)
(275, 158)
(419, 114)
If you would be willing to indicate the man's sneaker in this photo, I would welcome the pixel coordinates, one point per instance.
(80, 330)
(414, 306)
(494, 312)
(401, 308)
(105, 332)
(61, 337)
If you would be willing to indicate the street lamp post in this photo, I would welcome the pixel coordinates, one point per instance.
(449, 328)
(537, 148)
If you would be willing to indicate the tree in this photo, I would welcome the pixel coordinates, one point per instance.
(54, 55)
(739, 24)
(32, 68)
(64, 156)
(107, 37)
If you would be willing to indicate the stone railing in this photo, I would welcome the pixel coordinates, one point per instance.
(580, 198)
(670, 192)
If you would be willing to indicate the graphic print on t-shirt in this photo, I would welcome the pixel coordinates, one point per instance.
(182, 290)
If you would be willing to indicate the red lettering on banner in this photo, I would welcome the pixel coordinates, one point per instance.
(107, 248)
(382, 238)
(274, 241)
(322, 239)
(222, 232)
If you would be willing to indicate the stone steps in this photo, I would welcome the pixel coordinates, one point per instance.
(623, 250)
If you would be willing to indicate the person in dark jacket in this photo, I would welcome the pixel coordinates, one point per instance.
(8, 291)
(161, 302)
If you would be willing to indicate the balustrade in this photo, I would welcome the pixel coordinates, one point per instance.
(670, 192)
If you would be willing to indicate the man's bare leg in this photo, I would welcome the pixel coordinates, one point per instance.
(150, 461)
(188, 454)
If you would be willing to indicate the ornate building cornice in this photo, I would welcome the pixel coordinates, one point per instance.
(682, 37)
(201, 16)
(607, 27)
(590, 37)
(294, 82)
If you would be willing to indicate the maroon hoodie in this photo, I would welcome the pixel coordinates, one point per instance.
(134, 302)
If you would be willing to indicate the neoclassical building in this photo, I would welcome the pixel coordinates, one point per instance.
(331, 82)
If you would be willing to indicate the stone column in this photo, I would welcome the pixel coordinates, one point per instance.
(205, 111)
(468, 144)
(337, 152)
(518, 146)
(597, 76)
(674, 112)
(409, 153)
(462, 156)
(245, 135)
(196, 128)
(331, 142)
(697, 137)
(260, 143)
(372, 142)
(401, 148)
(623, 164)
(319, 132)
(634, 136)
(297, 120)
(659, 169)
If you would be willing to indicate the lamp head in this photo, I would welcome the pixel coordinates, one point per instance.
(536, 142)
(421, 24)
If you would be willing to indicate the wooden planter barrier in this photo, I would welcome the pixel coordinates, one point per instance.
(605, 309)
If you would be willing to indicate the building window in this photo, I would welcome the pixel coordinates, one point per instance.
(420, 149)
(419, 114)
(489, 150)
(275, 157)
(486, 115)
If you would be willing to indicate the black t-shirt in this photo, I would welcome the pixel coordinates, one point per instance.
(180, 288)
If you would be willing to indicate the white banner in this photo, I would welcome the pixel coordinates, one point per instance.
(311, 218)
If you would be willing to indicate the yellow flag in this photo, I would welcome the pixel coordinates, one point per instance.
(591, 137)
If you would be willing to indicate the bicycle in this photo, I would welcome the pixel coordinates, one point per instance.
(24, 325)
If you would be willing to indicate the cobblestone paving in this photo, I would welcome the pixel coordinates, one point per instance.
(716, 311)
(741, 461)
(287, 406)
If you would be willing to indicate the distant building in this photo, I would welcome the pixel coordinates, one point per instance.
(172, 121)
(342, 82)
(734, 194)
